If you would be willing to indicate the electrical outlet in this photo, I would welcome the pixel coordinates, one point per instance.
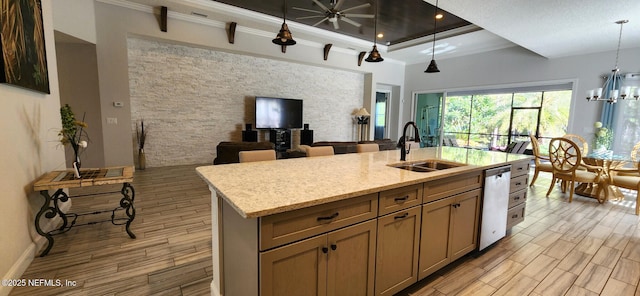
(112, 120)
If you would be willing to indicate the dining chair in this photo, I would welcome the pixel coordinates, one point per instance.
(319, 151)
(372, 147)
(256, 155)
(517, 147)
(542, 162)
(628, 178)
(566, 159)
(582, 143)
(635, 153)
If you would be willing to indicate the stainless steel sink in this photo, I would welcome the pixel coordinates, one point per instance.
(427, 166)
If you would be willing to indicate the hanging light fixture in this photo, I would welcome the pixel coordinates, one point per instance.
(433, 67)
(374, 55)
(284, 36)
(613, 81)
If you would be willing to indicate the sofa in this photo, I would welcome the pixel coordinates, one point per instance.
(227, 152)
(342, 147)
(338, 147)
(384, 144)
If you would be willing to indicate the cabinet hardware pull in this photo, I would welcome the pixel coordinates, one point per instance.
(516, 198)
(334, 247)
(519, 183)
(335, 215)
(325, 250)
(514, 216)
(401, 199)
(401, 216)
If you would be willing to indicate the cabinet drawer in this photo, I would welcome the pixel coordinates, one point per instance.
(518, 183)
(438, 189)
(515, 215)
(518, 197)
(519, 168)
(400, 198)
(283, 228)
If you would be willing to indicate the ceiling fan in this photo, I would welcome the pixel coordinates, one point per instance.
(334, 14)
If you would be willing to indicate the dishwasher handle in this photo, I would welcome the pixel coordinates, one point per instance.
(497, 171)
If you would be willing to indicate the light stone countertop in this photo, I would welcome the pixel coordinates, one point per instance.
(263, 188)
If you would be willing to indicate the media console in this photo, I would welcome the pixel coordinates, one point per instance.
(281, 138)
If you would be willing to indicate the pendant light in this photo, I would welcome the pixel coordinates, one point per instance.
(374, 55)
(433, 67)
(284, 36)
(612, 84)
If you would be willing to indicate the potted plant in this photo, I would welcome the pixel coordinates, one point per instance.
(141, 136)
(73, 134)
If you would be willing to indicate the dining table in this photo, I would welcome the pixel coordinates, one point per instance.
(608, 161)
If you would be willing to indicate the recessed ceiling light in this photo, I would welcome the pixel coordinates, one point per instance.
(439, 16)
(380, 35)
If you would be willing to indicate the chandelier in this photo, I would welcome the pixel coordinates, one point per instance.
(613, 81)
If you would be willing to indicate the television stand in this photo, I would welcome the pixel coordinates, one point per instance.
(281, 138)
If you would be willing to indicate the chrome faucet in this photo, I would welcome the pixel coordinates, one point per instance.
(403, 140)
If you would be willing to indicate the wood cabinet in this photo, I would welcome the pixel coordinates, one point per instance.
(449, 230)
(518, 192)
(397, 251)
(341, 262)
(287, 227)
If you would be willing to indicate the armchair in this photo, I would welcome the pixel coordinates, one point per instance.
(566, 161)
(628, 178)
(542, 163)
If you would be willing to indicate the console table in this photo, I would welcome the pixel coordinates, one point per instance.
(60, 180)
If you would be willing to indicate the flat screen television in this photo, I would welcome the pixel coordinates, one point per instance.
(278, 113)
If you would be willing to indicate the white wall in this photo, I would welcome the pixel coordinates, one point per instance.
(517, 66)
(78, 76)
(115, 24)
(75, 18)
(30, 123)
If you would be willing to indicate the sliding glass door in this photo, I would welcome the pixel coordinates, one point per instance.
(427, 117)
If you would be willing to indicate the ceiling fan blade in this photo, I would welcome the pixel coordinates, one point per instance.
(321, 5)
(358, 15)
(336, 26)
(309, 17)
(351, 22)
(337, 6)
(308, 10)
(355, 7)
(322, 20)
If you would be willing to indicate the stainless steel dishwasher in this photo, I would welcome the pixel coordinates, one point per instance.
(494, 206)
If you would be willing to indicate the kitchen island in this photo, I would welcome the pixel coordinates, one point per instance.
(347, 217)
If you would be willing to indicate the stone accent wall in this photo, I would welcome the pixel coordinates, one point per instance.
(192, 98)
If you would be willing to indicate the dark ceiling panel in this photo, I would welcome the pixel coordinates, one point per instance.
(399, 20)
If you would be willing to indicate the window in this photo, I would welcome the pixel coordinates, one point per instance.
(489, 120)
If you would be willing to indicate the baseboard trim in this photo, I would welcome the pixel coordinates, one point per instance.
(19, 267)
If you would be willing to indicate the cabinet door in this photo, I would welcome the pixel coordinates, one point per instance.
(296, 269)
(397, 253)
(352, 259)
(464, 223)
(434, 242)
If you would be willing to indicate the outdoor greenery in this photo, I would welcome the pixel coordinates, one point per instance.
(484, 121)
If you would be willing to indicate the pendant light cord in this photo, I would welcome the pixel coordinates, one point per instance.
(619, 41)
(433, 49)
(285, 12)
(375, 24)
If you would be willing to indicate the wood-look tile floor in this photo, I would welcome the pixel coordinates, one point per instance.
(578, 248)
